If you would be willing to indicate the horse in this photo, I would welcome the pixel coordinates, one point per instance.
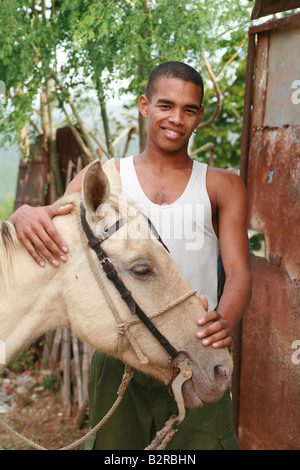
(80, 295)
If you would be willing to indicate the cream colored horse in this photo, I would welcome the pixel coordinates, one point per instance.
(34, 300)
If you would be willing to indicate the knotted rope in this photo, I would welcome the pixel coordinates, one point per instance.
(159, 442)
(123, 327)
(164, 436)
(122, 388)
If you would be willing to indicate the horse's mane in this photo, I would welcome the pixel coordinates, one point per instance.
(8, 242)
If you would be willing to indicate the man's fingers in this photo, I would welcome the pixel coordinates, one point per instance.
(40, 246)
(32, 251)
(208, 317)
(53, 240)
(220, 339)
(217, 338)
(225, 343)
(38, 234)
(51, 245)
(214, 331)
(59, 210)
(204, 302)
(54, 211)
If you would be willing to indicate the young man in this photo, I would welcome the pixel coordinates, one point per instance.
(213, 204)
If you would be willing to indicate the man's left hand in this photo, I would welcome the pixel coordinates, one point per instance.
(217, 333)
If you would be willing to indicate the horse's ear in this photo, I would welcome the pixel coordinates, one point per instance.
(95, 187)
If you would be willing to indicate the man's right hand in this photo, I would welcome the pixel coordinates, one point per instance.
(36, 231)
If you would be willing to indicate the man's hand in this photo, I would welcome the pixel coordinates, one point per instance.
(217, 333)
(36, 231)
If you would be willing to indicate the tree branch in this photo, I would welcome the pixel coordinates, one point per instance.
(201, 149)
(218, 94)
(52, 74)
(234, 56)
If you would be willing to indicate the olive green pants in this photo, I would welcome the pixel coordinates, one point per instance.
(144, 410)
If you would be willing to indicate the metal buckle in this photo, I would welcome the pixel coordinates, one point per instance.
(104, 260)
(102, 236)
(185, 373)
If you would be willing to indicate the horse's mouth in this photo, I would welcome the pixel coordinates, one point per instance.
(191, 398)
(197, 392)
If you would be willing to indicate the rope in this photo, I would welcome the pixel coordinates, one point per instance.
(159, 442)
(123, 328)
(164, 436)
(122, 388)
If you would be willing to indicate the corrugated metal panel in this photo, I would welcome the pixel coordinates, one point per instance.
(269, 409)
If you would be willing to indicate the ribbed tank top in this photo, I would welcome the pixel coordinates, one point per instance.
(185, 226)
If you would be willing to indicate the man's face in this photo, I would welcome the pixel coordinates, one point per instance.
(173, 113)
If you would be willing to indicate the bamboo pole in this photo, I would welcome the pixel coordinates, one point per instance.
(66, 369)
(77, 369)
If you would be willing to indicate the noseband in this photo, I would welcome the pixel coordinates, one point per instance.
(178, 359)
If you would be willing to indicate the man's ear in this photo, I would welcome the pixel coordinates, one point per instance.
(200, 117)
(95, 187)
(143, 105)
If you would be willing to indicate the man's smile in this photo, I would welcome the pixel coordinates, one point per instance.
(171, 132)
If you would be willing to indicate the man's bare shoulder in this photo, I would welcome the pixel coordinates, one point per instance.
(224, 183)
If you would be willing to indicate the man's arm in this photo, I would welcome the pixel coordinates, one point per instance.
(231, 201)
(36, 231)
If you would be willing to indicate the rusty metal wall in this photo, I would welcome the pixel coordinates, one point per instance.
(269, 382)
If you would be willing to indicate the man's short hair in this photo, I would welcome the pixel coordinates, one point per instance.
(178, 70)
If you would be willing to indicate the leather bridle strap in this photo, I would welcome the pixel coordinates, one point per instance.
(109, 269)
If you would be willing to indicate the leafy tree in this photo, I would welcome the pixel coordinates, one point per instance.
(223, 137)
(104, 43)
(7, 210)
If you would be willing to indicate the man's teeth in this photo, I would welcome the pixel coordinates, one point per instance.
(172, 132)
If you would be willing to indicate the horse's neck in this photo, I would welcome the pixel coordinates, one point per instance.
(29, 307)
(43, 299)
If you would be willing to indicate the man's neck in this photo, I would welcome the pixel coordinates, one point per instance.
(163, 161)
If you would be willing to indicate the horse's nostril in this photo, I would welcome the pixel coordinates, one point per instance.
(221, 374)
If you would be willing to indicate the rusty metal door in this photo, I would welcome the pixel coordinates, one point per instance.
(269, 378)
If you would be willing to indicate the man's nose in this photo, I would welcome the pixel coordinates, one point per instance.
(176, 116)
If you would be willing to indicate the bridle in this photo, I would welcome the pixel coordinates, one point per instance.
(181, 371)
(178, 359)
(111, 273)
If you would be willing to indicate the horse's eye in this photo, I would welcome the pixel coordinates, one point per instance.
(141, 270)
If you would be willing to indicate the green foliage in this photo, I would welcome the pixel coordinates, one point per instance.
(7, 210)
(110, 47)
(25, 361)
(128, 38)
(226, 132)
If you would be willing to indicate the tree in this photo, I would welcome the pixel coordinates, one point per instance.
(102, 43)
(223, 137)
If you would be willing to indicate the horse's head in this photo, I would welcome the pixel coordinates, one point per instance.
(150, 274)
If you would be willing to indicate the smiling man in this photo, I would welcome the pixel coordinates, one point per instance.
(178, 193)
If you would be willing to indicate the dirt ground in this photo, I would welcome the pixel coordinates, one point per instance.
(41, 421)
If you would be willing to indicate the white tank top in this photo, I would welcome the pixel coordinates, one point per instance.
(185, 226)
